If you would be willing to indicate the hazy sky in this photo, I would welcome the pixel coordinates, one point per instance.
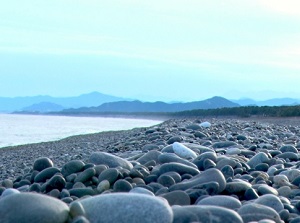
(151, 50)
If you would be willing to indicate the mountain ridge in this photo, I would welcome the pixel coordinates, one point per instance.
(159, 106)
(8, 104)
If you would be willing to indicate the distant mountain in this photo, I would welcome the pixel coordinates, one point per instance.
(85, 100)
(43, 107)
(138, 106)
(270, 102)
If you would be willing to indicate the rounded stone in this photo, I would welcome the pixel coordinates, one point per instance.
(179, 168)
(42, 163)
(260, 157)
(141, 190)
(206, 176)
(81, 192)
(9, 191)
(261, 212)
(204, 213)
(222, 201)
(139, 208)
(205, 124)
(237, 187)
(166, 180)
(177, 198)
(110, 160)
(151, 155)
(271, 201)
(183, 151)
(111, 174)
(72, 166)
(103, 186)
(193, 126)
(32, 207)
(7, 183)
(46, 174)
(288, 148)
(122, 186)
(56, 182)
(223, 144)
(76, 209)
(172, 157)
(85, 175)
(174, 139)
(176, 176)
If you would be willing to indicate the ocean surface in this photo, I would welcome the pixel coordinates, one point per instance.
(24, 129)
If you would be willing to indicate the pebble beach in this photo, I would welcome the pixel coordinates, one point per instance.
(182, 170)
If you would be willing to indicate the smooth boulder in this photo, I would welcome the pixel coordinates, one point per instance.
(127, 207)
(33, 208)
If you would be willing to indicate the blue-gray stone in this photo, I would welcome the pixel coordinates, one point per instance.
(206, 176)
(260, 157)
(222, 201)
(205, 213)
(179, 168)
(34, 208)
(177, 197)
(110, 160)
(271, 201)
(127, 207)
(46, 174)
(151, 155)
(256, 212)
(172, 157)
(72, 166)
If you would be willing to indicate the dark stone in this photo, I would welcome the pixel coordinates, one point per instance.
(46, 174)
(166, 180)
(179, 168)
(42, 163)
(177, 198)
(73, 166)
(85, 175)
(56, 182)
(80, 192)
(111, 174)
(122, 186)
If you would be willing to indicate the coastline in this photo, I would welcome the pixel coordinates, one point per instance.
(181, 160)
(82, 146)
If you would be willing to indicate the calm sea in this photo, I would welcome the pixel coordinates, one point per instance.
(24, 129)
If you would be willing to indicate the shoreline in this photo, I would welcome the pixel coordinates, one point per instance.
(68, 148)
(185, 161)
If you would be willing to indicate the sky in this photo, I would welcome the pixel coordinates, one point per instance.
(169, 50)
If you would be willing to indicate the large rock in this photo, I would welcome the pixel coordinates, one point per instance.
(127, 207)
(32, 207)
(210, 175)
(109, 160)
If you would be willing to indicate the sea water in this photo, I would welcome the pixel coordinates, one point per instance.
(24, 129)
